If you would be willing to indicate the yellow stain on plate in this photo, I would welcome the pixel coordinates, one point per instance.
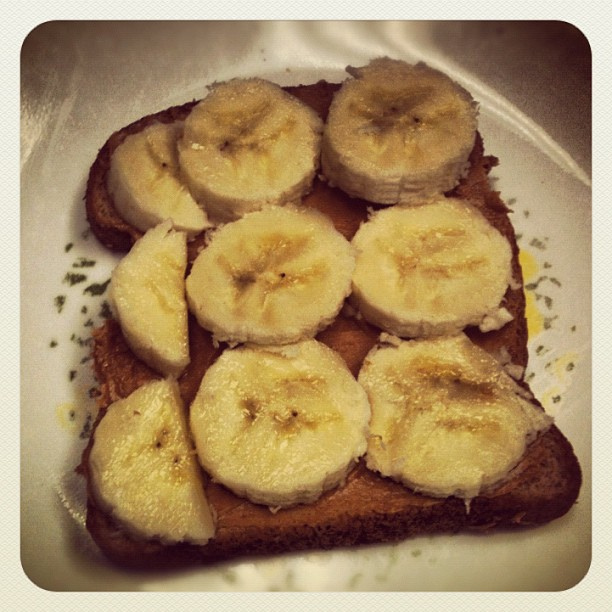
(564, 365)
(561, 370)
(73, 416)
(68, 417)
(535, 319)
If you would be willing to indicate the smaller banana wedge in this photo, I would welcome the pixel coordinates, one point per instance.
(147, 295)
(280, 425)
(145, 181)
(143, 467)
(398, 133)
(446, 418)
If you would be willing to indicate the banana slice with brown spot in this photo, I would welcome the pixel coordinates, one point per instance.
(247, 146)
(446, 417)
(431, 269)
(145, 183)
(280, 425)
(147, 294)
(143, 467)
(398, 133)
(273, 277)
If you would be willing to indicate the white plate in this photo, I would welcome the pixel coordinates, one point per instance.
(82, 81)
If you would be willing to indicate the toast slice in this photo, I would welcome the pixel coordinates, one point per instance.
(367, 508)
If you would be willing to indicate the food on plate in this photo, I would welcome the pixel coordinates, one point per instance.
(398, 133)
(447, 419)
(147, 294)
(143, 471)
(249, 145)
(431, 269)
(251, 402)
(275, 276)
(280, 425)
(145, 184)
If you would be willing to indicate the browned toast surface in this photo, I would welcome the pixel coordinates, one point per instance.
(368, 508)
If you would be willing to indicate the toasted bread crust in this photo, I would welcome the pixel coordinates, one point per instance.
(105, 222)
(368, 508)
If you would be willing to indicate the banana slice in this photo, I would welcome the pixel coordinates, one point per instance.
(143, 467)
(397, 133)
(431, 269)
(249, 145)
(145, 184)
(280, 425)
(273, 277)
(147, 295)
(446, 418)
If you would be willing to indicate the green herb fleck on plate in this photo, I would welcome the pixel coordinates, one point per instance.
(72, 278)
(538, 244)
(59, 301)
(96, 288)
(84, 435)
(83, 262)
(105, 310)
